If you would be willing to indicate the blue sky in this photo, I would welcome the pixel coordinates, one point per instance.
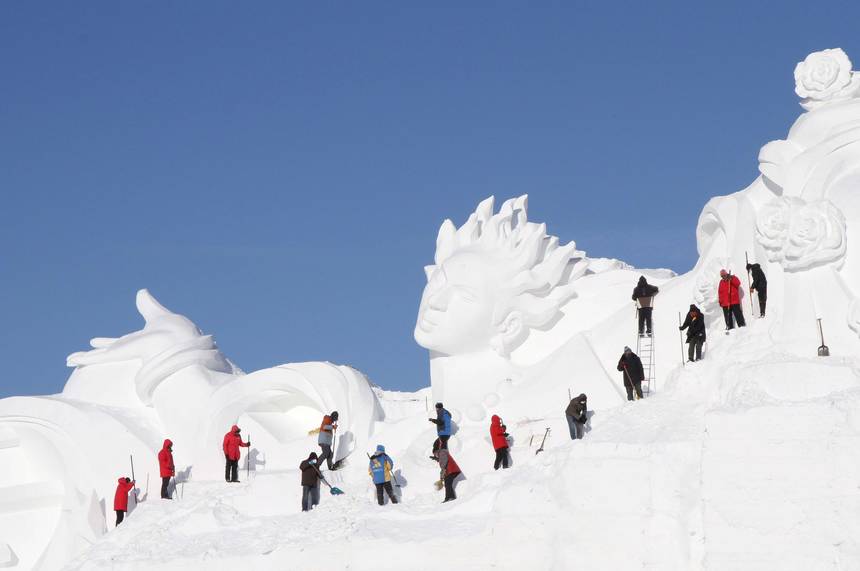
(278, 171)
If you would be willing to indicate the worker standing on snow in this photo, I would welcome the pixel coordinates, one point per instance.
(448, 469)
(166, 467)
(694, 323)
(758, 285)
(443, 424)
(310, 482)
(232, 443)
(577, 416)
(499, 438)
(631, 367)
(379, 469)
(120, 498)
(644, 294)
(730, 299)
(326, 438)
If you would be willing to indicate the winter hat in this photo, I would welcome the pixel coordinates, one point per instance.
(438, 405)
(313, 456)
(380, 449)
(723, 273)
(627, 349)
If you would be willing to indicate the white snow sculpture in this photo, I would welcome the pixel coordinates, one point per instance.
(168, 343)
(496, 277)
(796, 218)
(124, 397)
(824, 77)
(490, 310)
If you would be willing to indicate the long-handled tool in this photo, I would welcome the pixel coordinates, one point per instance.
(681, 335)
(749, 284)
(248, 459)
(823, 350)
(632, 386)
(131, 459)
(539, 450)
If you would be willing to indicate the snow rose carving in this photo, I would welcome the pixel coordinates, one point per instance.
(801, 235)
(824, 77)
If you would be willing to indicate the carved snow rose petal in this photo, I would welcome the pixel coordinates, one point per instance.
(801, 235)
(825, 76)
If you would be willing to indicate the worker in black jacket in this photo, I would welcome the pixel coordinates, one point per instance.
(643, 295)
(577, 416)
(696, 334)
(310, 482)
(631, 367)
(759, 284)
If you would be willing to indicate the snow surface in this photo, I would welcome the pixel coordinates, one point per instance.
(747, 460)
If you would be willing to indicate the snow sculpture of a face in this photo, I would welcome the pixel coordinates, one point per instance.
(495, 278)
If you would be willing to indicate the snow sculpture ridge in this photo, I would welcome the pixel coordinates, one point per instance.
(168, 343)
(494, 279)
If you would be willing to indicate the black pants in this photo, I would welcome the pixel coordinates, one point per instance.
(645, 319)
(449, 487)
(165, 483)
(326, 455)
(386, 486)
(310, 497)
(736, 312)
(120, 514)
(694, 351)
(762, 300)
(501, 458)
(636, 385)
(444, 441)
(231, 470)
(577, 428)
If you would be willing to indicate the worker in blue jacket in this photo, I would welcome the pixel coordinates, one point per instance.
(443, 424)
(380, 468)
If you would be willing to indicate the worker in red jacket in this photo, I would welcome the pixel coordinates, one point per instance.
(730, 299)
(166, 467)
(232, 443)
(499, 437)
(120, 499)
(448, 469)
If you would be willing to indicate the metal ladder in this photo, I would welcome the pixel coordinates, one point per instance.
(645, 350)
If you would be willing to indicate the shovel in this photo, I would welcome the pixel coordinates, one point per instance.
(335, 491)
(539, 450)
(823, 350)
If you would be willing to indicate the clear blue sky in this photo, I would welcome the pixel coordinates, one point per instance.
(278, 172)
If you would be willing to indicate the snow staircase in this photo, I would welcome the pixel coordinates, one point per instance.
(645, 350)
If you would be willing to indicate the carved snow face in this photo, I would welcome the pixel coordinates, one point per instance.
(457, 306)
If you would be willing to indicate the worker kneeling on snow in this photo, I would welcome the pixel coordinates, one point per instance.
(380, 468)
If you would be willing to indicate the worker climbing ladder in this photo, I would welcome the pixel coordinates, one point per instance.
(645, 350)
